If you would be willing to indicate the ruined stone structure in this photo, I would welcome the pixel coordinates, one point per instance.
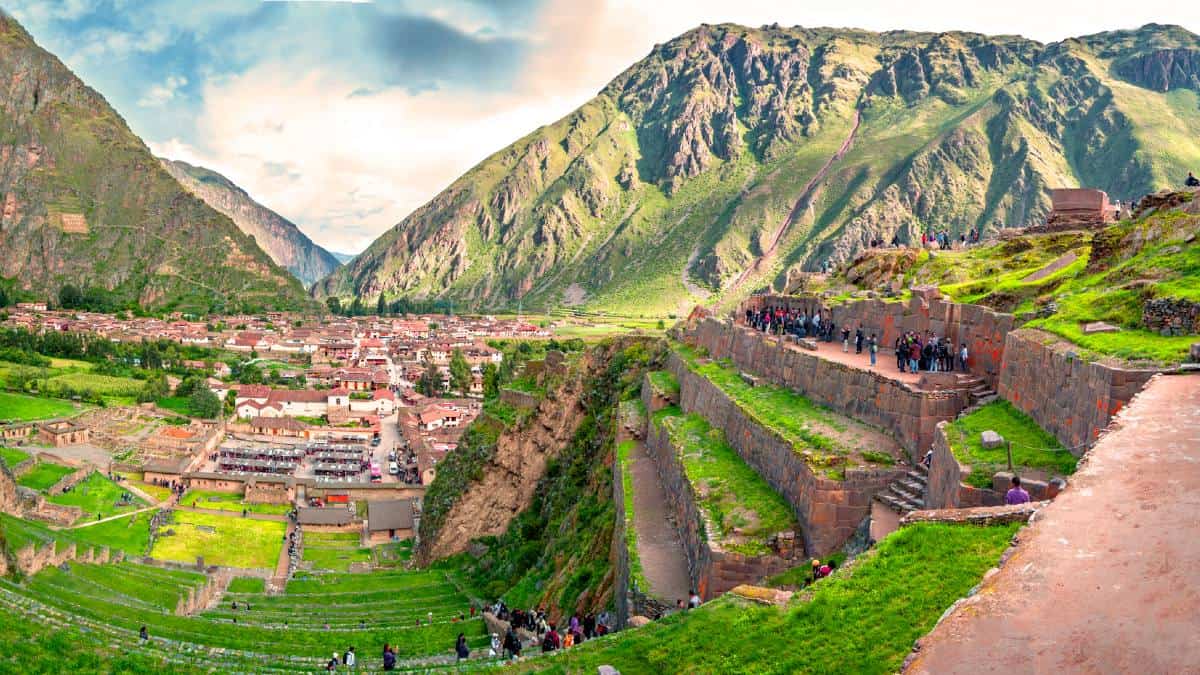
(62, 432)
(1069, 397)
(1171, 316)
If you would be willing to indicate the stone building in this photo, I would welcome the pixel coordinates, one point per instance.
(63, 432)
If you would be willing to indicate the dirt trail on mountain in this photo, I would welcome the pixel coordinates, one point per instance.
(765, 260)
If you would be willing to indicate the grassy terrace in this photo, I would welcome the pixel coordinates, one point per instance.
(13, 456)
(732, 495)
(663, 381)
(130, 534)
(222, 540)
(1032, 447)
(636, 574)
(815, 432)
(863, 619)
(44, 475)
(119, 599)
(96, 495)
(22, 408)
(334, 551)
(228, 501)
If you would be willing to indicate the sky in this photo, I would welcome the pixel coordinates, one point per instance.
(346, 116)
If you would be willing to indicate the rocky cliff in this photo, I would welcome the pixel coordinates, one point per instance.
(84, 202)
(730, 156)
(279, 237)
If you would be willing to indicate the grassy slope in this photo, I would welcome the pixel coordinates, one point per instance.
(864, 619)
(1032, 447)
(233, 541)
(97, 495)
(44, 475)
(21, 408)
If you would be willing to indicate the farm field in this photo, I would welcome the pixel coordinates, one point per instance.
(23, 408)
(221, 540)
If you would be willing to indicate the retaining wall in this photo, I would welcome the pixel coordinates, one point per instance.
(910, 414)
(33, 559)
(828, 510)
(712, 569)
(1067, 396)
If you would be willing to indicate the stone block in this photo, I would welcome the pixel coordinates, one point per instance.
(1099, 327)
(991, 440)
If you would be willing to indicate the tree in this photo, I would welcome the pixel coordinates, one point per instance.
(3, 297)
(334, 305)
(155, 388)
(69, 297)
(491, 380)
(230, 401)
(190, 385)
(430, 383)
(460, 372)
(381, 306)
(250, 374)
(204, 403)
(356, 307)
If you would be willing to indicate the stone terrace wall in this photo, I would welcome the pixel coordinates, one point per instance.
(909, 414)
(981, 328)
(945, 489)
(712, 570)
(1069, 397)
(33, 559)
(828, 510)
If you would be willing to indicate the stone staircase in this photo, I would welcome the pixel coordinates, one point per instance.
(907, 493)
(981, 394)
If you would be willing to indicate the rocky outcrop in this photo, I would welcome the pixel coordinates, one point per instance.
(280, 238)
(86, 203)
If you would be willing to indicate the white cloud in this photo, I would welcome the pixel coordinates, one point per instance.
(160, 94)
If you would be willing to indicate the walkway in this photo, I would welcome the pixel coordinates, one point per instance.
(832, 351)
(1104, 581)
(658, 546)
(125, 514)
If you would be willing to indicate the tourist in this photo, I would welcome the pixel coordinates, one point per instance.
(1016, 494)
(389, 657)
(858, 340)
(551, 642)
(914, 354)
(512, 644)
(962, 357)
(899, 347)
(460, 647)
(816, 570)
(568, 640)
(872, 348)
(927, 460)
(693, 599)
(845, 340)
(349, 659)
(144, 634)
(333, 663)
(1191, 181)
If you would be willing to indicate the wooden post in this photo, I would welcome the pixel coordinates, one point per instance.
(1008, 446)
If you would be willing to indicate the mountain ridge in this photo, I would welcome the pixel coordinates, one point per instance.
(282, 239)
(676, 176)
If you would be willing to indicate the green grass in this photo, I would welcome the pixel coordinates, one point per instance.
(176, 404)
(732, 494)
(111, 387)
(247, 585)
(861, 620)
(97, 495)
(44, 475)
(334, 551)
(13, 456)
(1032, 447)
(158, 492)
(663, 381)
(130, 534)
(636, 574)
(22, 408)
(225, 540)
(228, 501)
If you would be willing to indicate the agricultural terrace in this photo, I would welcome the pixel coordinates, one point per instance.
(228, 501)
(863, 619)
(22, 408)
(1034, 451)
(98, 497)
(827, 440)
(334, 551)
(736, 499)
(44, 475)
(12, 456)
(221, 540)
(130, 534)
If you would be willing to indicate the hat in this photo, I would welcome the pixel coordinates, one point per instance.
(816, 562)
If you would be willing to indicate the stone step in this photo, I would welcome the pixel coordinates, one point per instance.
(915, 487)
(904, 494)
(921, 477)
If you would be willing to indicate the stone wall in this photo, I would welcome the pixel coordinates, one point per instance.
(945, 488)
(619, 555)
(828, 510)
(926, 311)
(69, 481)
(978, 515)
(910, 414)
(1067, 396)
(519, 399)
(33, 559)
(712, 570)
(1171, 316)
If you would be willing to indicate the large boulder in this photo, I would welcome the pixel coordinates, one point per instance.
(991, 440)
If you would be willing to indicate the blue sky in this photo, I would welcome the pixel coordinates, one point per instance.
(346, 116)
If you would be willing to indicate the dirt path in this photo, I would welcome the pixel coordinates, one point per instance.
(802, 203)
(658, 546)
(1104, 581)
(127, 514)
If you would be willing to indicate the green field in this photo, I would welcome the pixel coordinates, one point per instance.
(228, 501)
(44, 475)
(334, 551)
(739, 503)
(177, 404)
(130, 534)
(12, 456)
(96, 495)
(221, 540)
(114, 389)
(860, 622)
(22, 408)
(1032, 447)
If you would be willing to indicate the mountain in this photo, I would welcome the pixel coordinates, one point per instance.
(343, 257)
(279, 237)
(85, 203)
(731, 156)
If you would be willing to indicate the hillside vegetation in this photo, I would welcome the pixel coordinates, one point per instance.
(730, 157)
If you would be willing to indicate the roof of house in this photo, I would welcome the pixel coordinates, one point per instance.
(253, 391)
(297, 396)
(308, 515)
(389, 514)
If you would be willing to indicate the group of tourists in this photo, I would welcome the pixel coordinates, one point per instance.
(931, 354)
(797, 322)
(821, 570)
(944, 240)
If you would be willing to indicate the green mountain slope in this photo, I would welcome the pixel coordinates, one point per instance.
(279, 237)
(731, 156)
(84, 202)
